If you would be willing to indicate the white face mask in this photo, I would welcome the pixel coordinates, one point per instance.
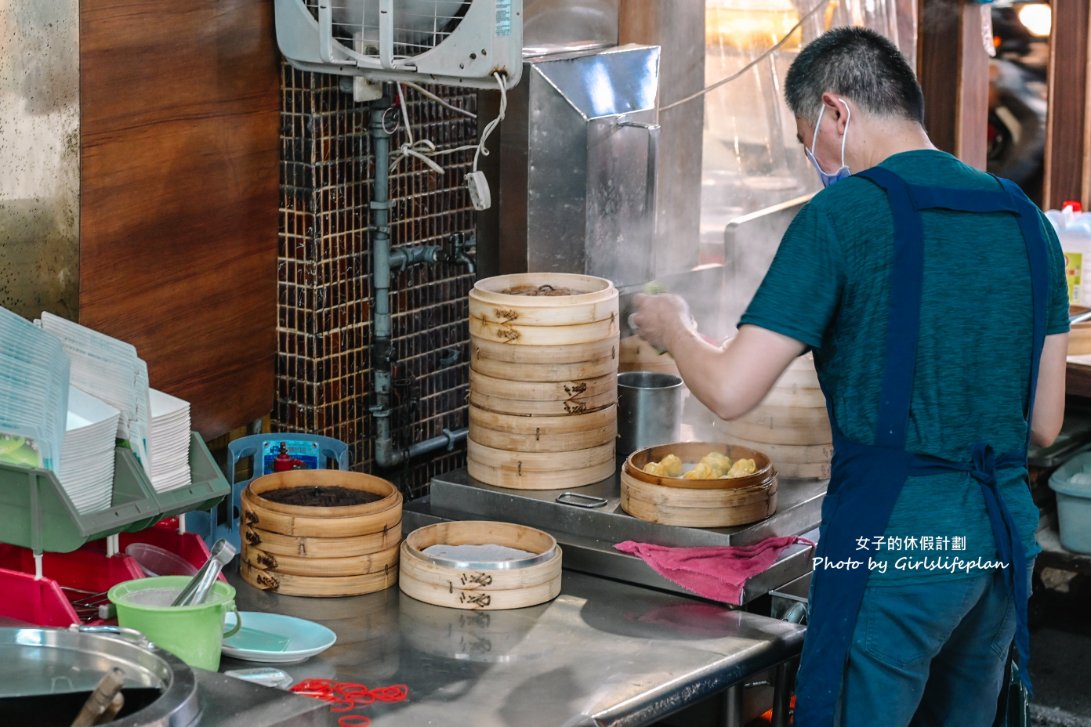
(843, 171)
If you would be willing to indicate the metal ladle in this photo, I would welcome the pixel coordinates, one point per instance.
(196, 591)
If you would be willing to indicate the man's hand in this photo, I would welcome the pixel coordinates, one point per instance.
(658, 319)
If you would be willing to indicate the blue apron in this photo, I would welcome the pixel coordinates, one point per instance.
(867, 479)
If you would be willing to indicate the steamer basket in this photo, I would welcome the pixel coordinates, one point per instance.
(320, 551)
(540, 470)
(527, 434)
(542, 359)
(481, 585)
(691, 453)
(791, 424)
(698, 508)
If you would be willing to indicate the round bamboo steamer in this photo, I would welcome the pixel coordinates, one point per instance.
(514, 476)
(542, 462)
(579, 389)
(1079, 334)
(278, 544)
(638, 355)
(544, 372)
(482, 588)
(795, 397)
(573, 405)
(708, 508)
(586, 290)
(693, 452)
(352, 565)
(255, 514)
(590, 353)
(520, 335)
(320, 551)
(317, 586)
(538, 441)
(784, 454)
(513, 311)
(539, 426)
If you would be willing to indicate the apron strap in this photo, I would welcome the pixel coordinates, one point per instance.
(904, 317)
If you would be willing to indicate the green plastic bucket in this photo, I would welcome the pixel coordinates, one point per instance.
(192, 633)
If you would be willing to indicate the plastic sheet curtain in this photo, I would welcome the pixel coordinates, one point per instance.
(751, 156)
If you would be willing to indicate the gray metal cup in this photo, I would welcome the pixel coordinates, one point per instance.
(649, 410)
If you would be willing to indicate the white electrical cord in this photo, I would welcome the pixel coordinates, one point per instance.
(446, 104)
(765, 54)
(425, 150)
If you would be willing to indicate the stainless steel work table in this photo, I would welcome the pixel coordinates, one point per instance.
(602, 653)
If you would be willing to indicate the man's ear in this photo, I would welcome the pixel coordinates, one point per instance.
(836, 108)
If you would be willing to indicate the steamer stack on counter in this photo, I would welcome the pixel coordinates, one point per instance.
(543, 380)
(319, 549)
(790, 425)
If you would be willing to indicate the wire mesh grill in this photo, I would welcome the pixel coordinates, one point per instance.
(418, 25)
(324, 286)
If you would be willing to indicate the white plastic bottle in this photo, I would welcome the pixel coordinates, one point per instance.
(1074, 230)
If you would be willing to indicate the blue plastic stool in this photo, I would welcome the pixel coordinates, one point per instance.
(313, 450)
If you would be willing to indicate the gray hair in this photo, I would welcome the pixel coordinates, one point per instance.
(859, 64)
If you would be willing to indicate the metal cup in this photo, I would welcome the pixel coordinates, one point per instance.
(649, 410)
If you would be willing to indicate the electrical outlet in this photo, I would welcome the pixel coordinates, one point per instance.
(480, 196)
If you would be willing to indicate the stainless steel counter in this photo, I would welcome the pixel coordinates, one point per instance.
(602, 653)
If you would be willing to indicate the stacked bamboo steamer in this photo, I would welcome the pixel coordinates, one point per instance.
(481, 586)
(543, 380)
(305, 550)
(790, 424)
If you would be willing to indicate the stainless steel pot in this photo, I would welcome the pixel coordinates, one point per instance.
(44, 672)
(649, 410)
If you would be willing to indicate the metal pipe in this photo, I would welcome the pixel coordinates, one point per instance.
(382, 354)
(383, 259)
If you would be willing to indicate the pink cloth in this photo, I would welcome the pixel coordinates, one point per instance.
(715, 572)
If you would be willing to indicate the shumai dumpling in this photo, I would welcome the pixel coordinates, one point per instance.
(654, 468)
(742, 467)
(671, 465)
(700, 471)
(718, 462)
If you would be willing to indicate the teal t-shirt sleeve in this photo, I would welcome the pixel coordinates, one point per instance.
(1057, 315)
(799, 295)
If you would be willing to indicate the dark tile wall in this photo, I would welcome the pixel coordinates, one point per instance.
(324, 283)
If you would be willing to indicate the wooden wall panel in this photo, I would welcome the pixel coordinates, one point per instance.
(1068, 134)
(954, 74)
(178, 217)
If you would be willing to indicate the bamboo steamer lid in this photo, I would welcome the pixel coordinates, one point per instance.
(501, 311)
(480, 586)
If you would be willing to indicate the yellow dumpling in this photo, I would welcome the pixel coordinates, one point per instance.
(701, 471)
(742, 467)
(718, 462)
(671, 465)
(654, 468)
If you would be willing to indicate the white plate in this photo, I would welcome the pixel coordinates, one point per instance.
(276, 639)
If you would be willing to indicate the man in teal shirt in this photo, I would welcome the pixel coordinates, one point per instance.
(926, 640)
